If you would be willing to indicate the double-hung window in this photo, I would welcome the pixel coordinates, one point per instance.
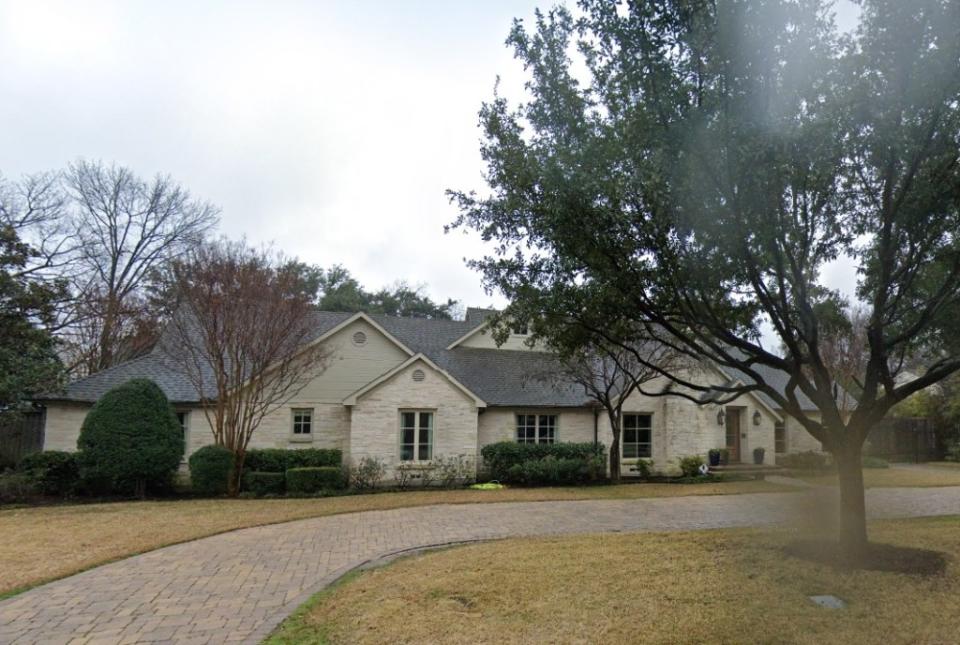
(183, 418)
(780, 437)
(536, 428)
(637, 436)
(303, 423)
(416, 435)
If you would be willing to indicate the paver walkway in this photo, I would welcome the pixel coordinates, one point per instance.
(238, 586)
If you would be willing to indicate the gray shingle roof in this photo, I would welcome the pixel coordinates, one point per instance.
(499, 377)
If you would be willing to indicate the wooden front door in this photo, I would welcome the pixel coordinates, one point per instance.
(732, 416)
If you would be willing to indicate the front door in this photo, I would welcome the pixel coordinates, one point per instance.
(732, 416)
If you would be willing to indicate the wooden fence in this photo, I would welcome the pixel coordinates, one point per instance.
(904, 439)
(20, 435)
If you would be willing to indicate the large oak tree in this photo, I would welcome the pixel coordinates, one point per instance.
(691, 166)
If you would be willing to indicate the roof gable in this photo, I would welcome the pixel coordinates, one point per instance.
(417, 358)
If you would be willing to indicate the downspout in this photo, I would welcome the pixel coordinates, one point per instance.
(596, 422)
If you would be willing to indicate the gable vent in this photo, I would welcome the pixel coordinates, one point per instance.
(418, 375)
(359, 338)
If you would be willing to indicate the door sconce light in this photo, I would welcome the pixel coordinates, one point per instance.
(757, 418)
(721, 417)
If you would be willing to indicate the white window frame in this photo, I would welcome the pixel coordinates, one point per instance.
(638, 443)
(780, 425)
(538, 427)
(185, 429)
(417, 438)
(301, 436)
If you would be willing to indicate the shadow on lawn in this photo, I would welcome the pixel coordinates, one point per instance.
(878, 557)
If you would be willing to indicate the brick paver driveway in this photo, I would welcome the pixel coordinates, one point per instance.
(238, 586)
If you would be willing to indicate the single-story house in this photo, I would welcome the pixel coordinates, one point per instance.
(411, 390)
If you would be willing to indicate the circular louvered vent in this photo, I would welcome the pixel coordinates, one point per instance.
(359, 338)
(418, 375)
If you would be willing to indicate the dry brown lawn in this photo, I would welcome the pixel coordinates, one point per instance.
(729, 586)
(44, 543)
(929, 476)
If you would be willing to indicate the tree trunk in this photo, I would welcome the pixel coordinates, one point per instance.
(853, 516)
(233, 485)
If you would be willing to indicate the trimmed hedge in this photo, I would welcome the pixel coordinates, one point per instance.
(210, 469)
(809, 460)
(314, 479)
(130, 440)
(265, 483)
(551, 471)
(874, 462)
(499, 457)
(280, 460)
(544, 464)
(53, 472)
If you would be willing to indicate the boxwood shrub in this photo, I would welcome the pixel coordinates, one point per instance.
(265, 483)
(130, 440)
(280, 460)
(210, 469)
(53, 472)
(314, 479)
(543, 464)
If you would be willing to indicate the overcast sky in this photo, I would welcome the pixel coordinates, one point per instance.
(329, 128)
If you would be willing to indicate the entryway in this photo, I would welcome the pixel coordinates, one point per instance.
(732, 422)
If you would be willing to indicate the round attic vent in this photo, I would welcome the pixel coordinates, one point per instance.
(359, 338)
(418, 375)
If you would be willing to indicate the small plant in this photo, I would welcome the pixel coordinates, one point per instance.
(758, 454)
(402, 476)
(690, 466)
(714, 456)
(368, 473)
(724, 457)
(643, 468)
(210, 469)
(313, 479)
(428, 476)
(453, 471)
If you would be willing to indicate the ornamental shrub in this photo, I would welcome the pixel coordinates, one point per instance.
(130, 440)
(265, 483)
(809, 460)
(500, 458)
(875, 462)
(313, 480)
(367, 473)
(690, 466)
(210, 470)
(53, 472)
(280, 460)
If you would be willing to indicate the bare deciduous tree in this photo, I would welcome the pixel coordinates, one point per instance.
(609, 374)
(126, 227)
(242, 338)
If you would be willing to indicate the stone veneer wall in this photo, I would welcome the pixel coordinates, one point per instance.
(375, 423)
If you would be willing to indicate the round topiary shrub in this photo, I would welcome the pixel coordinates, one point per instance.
(130, 440)
(210, 470)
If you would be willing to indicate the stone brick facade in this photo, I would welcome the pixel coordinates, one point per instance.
(375, 422)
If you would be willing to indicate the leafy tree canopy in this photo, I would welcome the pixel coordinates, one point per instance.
(691, 166)
(335, 289)
(28, 358)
